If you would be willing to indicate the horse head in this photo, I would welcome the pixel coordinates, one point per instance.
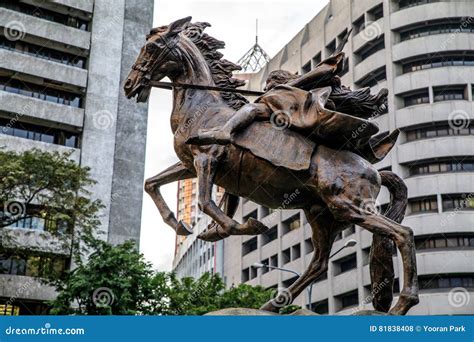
(158, 58)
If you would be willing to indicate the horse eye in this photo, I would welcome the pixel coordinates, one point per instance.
(151, 47)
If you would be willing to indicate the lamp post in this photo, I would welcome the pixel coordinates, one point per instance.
(349, 243)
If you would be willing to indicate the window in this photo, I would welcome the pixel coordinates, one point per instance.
(290, 224)
(370, 48)
(306, 68)
(358, 25)
(253, 214)
(265, 269)
(444, 241)
(348, 299)
(345, 264)
(411, 3)
(287, 283)
(46, 14)
(331, 47)
(376, 13)
(446, 281)
(269, 235)
(349, 231)
(424, 205)
(415, 98)
(249, 246)
(43, 52)
(31, 265)
(372, 79)
(253, 272)
(458, 202)
(466, 165)
(274, 260)
(40, 92)
(245, 275)
(449, 93)
(286, 256)
(295, 252)
(316, 59)
(438, 130)
(436, 27)
(321, 307)
(39, 133)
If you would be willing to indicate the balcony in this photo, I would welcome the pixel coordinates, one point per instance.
(43, 110)
(440, 183)
(434, 148)
(30, 65)
(48, 30)
(432, 44)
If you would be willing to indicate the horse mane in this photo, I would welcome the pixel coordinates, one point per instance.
(221, 69)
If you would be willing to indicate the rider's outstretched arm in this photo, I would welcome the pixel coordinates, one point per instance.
(321, 75)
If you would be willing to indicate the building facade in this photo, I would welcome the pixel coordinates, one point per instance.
(422, 51)
(62, 65)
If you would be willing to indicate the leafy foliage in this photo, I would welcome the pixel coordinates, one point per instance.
(53, 187)
(129, 286)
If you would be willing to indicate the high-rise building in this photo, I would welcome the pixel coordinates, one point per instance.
(62, 65)
(423, 52)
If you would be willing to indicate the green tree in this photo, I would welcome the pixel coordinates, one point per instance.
(52, 187)
(115, 280)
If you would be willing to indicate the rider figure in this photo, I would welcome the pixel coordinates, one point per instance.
(312, 104)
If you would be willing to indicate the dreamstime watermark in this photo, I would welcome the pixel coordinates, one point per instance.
(193, 118)
(14, 30)
(288, 199)
(46, 330)
(103, 120)
(464, 24)
(14, 210)
(281, 297)
(103, 297)
(281, 119)
(466, 199)
(370, 31)
(459, 297)
(21, 291)
(458, 120)
(375, 291)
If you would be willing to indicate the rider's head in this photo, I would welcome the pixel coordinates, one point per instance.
(278, 77)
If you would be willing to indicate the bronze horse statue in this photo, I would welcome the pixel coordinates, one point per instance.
(333, 186)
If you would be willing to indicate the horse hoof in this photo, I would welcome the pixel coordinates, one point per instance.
(183, 229)
(268, 306)
(255, 227)
(210, 236)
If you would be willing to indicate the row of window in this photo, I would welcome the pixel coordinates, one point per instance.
(444, 241)
(442, 166)
(290, 224)
(33, 265)
(437, 130)
(437, 62)
(39, 133)
(433, 28)
(370, 48)
(40, 92)
(34, 221)
(442, 93)
(43, 13)
(449, 203)
(411, 3)
(43, 52)
(439, 281)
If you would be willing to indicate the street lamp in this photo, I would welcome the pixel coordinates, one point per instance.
(348, 243)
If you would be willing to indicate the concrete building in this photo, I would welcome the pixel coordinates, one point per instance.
(423, 52)
(62, 64)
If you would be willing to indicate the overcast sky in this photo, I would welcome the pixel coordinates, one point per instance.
(232, 21)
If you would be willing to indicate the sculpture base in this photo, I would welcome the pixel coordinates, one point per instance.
(256, 312)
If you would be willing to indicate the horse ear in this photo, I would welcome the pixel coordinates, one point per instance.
(177, 26)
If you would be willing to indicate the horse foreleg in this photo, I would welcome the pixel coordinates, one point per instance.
(205, 165)
(174, 173)
(324, 229)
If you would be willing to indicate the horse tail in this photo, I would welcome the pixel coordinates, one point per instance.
(381, 264)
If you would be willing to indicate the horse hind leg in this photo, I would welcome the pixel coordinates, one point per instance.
(324, 229)
(345, 208)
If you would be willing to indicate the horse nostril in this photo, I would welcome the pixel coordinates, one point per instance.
(128, 84)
